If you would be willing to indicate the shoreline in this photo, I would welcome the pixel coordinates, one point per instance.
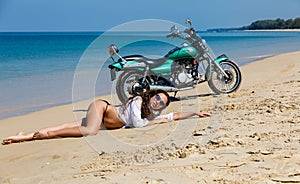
(273, 30)
(53, 105)
(255, 140)
(36, 94)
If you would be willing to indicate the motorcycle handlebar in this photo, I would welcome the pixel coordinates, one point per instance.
(169, 35)
(191, 36)
(188, 31)
(191, 32)
(173, 35)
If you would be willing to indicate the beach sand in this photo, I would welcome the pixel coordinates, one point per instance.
(252, 137)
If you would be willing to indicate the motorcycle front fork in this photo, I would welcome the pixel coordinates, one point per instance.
(213, 63)
(221, 70)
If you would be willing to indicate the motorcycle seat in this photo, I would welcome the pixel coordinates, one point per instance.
(152, 63)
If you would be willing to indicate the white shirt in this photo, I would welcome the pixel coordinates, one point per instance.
(131, 116)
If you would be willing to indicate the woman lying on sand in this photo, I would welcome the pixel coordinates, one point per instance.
(139, 111)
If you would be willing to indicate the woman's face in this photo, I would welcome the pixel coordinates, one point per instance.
(158, 101)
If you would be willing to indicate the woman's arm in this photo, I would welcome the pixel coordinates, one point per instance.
(185, 115)
(158, 121)
(179, 116)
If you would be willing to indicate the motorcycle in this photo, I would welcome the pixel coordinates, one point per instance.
(178, 70)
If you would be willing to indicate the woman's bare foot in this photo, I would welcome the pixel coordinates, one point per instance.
(17, 138)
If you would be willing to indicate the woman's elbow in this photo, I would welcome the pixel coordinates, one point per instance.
(139, 125)
(176, 117)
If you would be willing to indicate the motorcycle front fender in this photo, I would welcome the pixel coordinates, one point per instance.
(218, 60)
(221, 58)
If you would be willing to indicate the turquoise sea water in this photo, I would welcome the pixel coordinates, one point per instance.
(37, 69)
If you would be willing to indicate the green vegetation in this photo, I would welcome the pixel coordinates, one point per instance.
(275, 24)
(266, 24)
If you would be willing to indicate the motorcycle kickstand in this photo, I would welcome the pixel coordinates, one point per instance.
(173, 99)
(175, 93)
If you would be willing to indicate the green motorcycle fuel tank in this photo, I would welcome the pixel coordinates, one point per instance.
(184, 51)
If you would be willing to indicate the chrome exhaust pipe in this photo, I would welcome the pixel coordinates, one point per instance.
(168, 88)
(165, 88)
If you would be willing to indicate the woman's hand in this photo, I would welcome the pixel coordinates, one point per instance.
(185, 115)
(179, 116)
(203, 114)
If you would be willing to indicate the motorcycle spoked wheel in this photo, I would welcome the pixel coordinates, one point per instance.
(125, 83)
(221, 84)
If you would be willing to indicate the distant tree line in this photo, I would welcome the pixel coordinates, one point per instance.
(275, 24)
(266, 24)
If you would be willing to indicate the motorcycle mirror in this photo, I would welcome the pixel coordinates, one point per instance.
(112, 49)
(188, 21)
(174, 29)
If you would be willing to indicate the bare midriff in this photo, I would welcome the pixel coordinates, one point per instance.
(111, 119)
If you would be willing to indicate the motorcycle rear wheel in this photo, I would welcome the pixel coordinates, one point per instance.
(125, 83)
(221, 84)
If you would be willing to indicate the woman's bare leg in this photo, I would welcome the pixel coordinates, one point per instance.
(30, 136)
(59, 127)
(93, 122)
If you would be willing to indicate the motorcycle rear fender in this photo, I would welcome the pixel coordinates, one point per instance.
(129, 64)
(117, 65)
(164, 69)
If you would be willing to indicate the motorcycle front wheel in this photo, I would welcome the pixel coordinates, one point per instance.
(125, 82)
(221, 84)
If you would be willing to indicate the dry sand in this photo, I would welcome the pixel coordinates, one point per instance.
(252, 137)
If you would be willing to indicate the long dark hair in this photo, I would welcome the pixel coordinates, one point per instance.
(146, 111)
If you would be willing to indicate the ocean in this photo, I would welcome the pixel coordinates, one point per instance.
(44, 69)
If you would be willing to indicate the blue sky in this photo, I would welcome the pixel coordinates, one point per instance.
(98, 15)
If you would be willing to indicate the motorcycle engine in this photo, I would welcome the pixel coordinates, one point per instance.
(181, 74)
(184, 77)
